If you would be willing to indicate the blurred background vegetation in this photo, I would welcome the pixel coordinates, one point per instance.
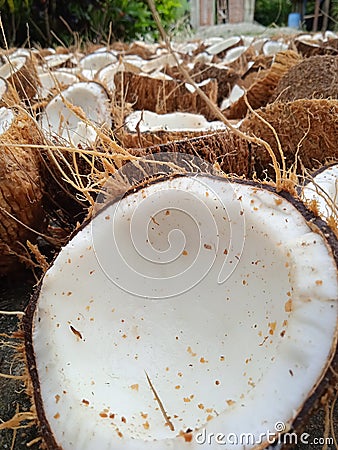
(49, 22)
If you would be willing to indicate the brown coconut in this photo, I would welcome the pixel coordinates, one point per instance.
(310, 48)
(151, 138)
(259, 92)
(8, 94)
(162, 96)
(315, 77)
(24, 79)
(307, 130)
(21, 191)
(223, 148)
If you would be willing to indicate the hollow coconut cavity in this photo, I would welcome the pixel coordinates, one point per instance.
(182, 310)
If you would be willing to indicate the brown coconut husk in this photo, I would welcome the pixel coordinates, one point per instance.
(309, 48)
(162, 96)
(260, 91)
(307, 130)
(224, 149)
(151, 138)
(21, 191)
(25, 80)
(315, 77)
(10, 97)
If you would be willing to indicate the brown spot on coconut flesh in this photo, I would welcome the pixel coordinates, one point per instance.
(75, 332)
(288, 306)
(187, 435)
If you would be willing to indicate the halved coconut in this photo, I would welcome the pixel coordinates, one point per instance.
(260, 91)
(162, 96)
(20, 72)
(54, 81)
(144, 128)
(271, 48)
(234, 53)
(180, 312)
(224, 44)
(92, 63)
(60, 120)
(160, 62)
(58, 60)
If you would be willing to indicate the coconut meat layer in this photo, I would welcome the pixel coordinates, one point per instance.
(215, 295)
(147, 121)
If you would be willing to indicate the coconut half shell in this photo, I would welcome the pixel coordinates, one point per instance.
(64, 118)
(184, 308)
(145, 128)
(20, 72)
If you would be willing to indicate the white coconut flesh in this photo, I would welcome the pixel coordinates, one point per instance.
(324, 190)
(219, 47)
(219, 292)
(55, 80)
(146, 121)
(59, 120)
(12, 66)
(234, 53)
(6, 119)
(271, 48)
(57, 60)
(93, 62)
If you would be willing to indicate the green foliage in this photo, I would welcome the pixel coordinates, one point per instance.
(268, 12)
(93, 20)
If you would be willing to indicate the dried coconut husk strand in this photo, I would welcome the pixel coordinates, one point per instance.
(307, 131)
